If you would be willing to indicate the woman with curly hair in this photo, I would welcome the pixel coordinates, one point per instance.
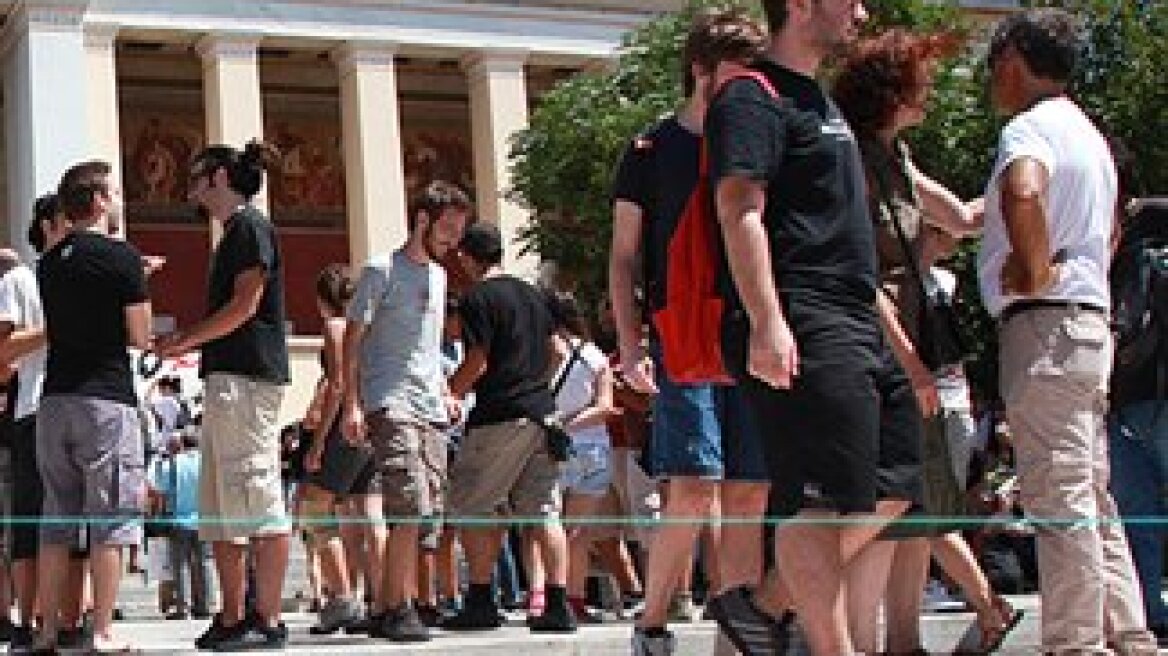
(882, 89)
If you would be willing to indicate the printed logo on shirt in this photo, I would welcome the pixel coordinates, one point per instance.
(838, 128)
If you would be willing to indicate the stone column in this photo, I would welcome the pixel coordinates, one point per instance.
(231, 92)
(102, 106)
(44, 96)
(371, 127)
(498, 106)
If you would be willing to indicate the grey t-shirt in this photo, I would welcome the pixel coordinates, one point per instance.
(401, 304)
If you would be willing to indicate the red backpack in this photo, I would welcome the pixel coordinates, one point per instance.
(690, 323)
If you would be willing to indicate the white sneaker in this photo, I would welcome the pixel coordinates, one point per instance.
(937, 599)
(660, 645)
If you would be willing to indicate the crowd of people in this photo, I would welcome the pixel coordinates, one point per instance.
(471, 430)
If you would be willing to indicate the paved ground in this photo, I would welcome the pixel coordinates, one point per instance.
(157, 636)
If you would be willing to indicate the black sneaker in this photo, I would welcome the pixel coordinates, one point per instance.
(22, 641)
(750, 629)
(474, 616)
(217, 632)
(556, 618)
(253, 636)
(78, 638)
(365, 625)
(431, 616)
(402, 625)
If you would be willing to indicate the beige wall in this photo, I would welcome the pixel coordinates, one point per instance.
(304, 362)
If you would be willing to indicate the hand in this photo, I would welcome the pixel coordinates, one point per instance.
(312, 458)
(773, 356)
(1016, 280)
(152, 264)
(454, 411)
(171, 346)
(925, 387)
(637, 370)
(353, 427)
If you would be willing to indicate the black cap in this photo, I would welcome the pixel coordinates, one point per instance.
(483, 242)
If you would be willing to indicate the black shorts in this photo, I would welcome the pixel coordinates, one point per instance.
(28, 490)
(344, 468)
(848, 433)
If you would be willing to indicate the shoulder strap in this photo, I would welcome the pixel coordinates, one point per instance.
(743, 74)
(909, 255)
(563, 377)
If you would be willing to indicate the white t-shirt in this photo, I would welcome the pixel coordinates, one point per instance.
(1081, 203)
(20, 305)
(578, 390)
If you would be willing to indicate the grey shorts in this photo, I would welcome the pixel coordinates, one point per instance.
(89, 452)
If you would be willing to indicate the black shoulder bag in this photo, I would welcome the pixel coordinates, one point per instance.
(559, 442)
(941, 344)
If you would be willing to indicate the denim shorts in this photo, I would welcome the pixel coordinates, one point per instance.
(589, 470)
(704, 431)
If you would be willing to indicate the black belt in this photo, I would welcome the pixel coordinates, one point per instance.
(1019, 307)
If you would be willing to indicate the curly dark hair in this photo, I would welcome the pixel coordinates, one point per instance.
(717, 35)
(1047, 38)
(883, 72)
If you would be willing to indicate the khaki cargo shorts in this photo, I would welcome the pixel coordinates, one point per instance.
(240, 492)
(505, 469)
(410, 458)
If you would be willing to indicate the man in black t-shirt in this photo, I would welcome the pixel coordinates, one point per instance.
(504, 464)
(790, 195)
(90, 450)
(704, 447)
(244, 363)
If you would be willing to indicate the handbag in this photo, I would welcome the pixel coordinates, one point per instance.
(559, 442)
(942, 344)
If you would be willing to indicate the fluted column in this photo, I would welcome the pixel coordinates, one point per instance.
(498, 105)
(371, 127)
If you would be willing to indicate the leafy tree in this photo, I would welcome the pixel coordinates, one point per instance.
(563, 163)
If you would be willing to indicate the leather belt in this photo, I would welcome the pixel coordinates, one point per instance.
(1020, 307)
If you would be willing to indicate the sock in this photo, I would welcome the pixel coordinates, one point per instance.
(480, 593)
(557, 596)
(653, 631)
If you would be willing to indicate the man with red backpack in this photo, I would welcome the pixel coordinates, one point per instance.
(703, 445)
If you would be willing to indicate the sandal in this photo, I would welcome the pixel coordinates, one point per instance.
(991, 637)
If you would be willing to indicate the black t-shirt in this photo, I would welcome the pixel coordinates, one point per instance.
(658, 173)
(86, 282)
(509, 319)
(817, 214)
(259, 348)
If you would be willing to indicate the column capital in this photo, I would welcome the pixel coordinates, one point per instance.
(353, 55)
(490, 60)
(228, 45)
(100, 36)
(50, 14)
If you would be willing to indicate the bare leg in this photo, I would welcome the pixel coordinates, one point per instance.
(481, 546)
(811, 560)
(910, 571)
(333, 571)
(106, 566)
(231, 567)
(448, 564)
(743, 505)
(271, 566)
(401, 566)
(688, 503)
(867, 579)
(53, 568)
(24, 579)
(580, 540)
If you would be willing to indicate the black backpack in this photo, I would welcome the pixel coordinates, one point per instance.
(1139, 288)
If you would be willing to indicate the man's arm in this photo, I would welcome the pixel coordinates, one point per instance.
(628, 219)
(773, 357)
(139, 320)
(1029, 269)
(246, 294)
(473, 366)
(353, 414)
(15, 344)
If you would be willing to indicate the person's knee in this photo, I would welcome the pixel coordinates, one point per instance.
(742, 499)
(693, 496)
